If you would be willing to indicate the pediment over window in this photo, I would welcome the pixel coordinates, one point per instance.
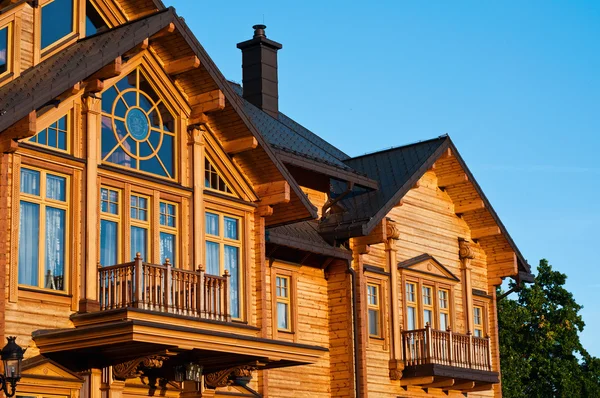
(427, 264)
(41, 374)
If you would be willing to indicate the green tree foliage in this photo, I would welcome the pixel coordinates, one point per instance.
(540, 352)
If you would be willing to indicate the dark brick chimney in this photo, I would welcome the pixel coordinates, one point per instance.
(259, 71)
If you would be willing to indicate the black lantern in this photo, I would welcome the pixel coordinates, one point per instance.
(188, 372)
(12, 356)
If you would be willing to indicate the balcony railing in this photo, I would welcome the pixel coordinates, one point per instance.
(163, 288)
(429, 346)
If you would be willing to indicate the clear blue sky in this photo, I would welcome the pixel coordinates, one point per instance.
(516, 85)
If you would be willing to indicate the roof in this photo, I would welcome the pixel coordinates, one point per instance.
(305, 236)
(396, 170)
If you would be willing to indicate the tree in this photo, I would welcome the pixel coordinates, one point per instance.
(540, 351)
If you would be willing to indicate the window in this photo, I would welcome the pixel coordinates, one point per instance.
(282, 294)
(94, 23)
(411, 306)
(140, 231)
(57, 21)
(109, 226)
(374, 309)
(478, 330)
(55, 135)
(427, 305)
(5, 50)
(223, 251)
(444, 308)
(43, 229)
(138, 131)
(213, 180)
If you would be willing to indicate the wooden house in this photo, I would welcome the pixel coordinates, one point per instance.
(170, 233)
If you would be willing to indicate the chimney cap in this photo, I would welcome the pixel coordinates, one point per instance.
(259, 30)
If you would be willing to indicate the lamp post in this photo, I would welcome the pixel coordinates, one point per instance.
(12, 356)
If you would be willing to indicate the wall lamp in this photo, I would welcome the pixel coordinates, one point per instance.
(12, 356)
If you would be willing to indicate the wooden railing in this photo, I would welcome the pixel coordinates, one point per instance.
(429, 346)
(163, 288)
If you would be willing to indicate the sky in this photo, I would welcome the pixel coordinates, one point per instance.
(515, 84)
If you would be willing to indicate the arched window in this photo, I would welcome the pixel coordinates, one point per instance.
(138, 130)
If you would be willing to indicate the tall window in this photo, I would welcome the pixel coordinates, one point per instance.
(411, 306)
(55, 135)
(57, 21)
(110, 218)
(444, 308)
(478, 321)
(5, 50)
(43, 229)
(282, 295)
(223, 250)
(374, 309)
(138, 131)
(428, 305)
(168, 231)
(140, 224)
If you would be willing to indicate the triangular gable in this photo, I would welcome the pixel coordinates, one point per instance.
(427, 264)
(40, 372)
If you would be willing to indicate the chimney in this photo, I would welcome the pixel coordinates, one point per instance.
(259, 71)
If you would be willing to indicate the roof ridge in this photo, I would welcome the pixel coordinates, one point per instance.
(394, 148)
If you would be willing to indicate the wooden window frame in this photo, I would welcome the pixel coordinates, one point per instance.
(162, 228)
(441, 310)
(12, 20)
(214, 169)
(381, 280)
(436, 286)
(116, 218)
(44, 202)
(375, 307)
(286, 300)
(484, 306)
(68, 132)
(78, 20)
(285, 270)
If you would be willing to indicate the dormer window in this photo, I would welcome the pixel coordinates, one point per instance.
(4, 50)
(94, 23)
(57, 21)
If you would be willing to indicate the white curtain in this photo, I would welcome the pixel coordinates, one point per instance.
(29, 235)
(108, 243)
(55, 247)
(232, 265)
(139, 242)
(167, 247)
(212, 258)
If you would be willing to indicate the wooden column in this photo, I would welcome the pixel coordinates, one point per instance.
(95, 383)
(362, 321)
(396, 364)
(466, 254)
(89, 300)
(196, 140)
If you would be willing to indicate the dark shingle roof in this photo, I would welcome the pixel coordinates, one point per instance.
(41, 84)
(304, 236)
(397, 170)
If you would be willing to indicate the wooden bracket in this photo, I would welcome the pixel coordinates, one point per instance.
(485, 232)
(195, 120)
(273, 193)
(207, 102)
(417, 381)
(140, 47)
(468, 205)
(447, 181)
(167, 30)
(182, 65)
(24, 128)
(111, 70)
(77, 87)
(93, 86)
(264, 211)
(240, 145)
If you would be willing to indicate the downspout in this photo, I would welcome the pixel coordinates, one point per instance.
(355, 328)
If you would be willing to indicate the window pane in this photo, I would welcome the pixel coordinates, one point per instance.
(372, 294)
(231, 228)
(167, 248)
(55, 187)
(411, 318)
(212, 258)
(374, 322)
(3, 50)
(427, 317)
(443, 321)
(212, 224)
(282, 316)
(57, 21)
(55, 249)
(426, 295)
(410, 292)
(478, 333)
(30, 181)
(139, 242)
(108, 243)
(232, 265)
(29, 235)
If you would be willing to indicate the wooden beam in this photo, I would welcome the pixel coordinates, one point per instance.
(182, 65)
(273, 193)
(400, 203)
(417, 381)
(240, 145)
(140, 47)
(77, 87)
(447, 154)
(501, 257)
(454, 179)
(417, 185)
(264, 211)
(441, 383)
(200, 118)
(207, 102)
(484, 232)
(111, 70)
(167, 30)
(94, 86)
(468, 205)
(481, 387)
(24, 128)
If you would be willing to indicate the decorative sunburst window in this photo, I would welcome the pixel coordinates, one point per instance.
(138, 130)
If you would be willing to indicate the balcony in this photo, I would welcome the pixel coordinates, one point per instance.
(164, 289)
(447, 360)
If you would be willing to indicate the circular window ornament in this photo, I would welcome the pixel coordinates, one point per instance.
(137, 124)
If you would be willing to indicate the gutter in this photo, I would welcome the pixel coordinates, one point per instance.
(355, 329)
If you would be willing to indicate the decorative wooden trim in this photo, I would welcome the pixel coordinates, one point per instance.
(14, 242)
(228, 377)
(137, 367)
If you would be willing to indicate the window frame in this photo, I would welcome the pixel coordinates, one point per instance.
(286, 300)
(484, 306)
(43, 203)
(170, 230)
(436, 286)
(377, 307)
(12, 21)
(10, 47)
(40, 54)
(280, 268)
(69, 134)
